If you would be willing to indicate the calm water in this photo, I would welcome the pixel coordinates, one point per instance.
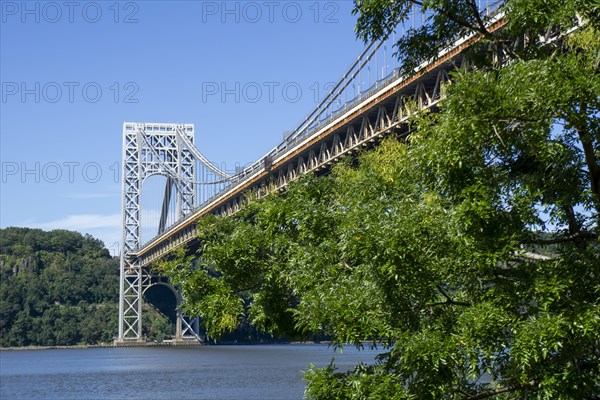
(210, 372)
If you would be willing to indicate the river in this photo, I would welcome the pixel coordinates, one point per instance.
(179, 373)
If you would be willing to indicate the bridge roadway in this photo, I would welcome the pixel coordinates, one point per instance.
(380, 111)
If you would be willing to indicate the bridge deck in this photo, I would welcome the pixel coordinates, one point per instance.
(377, 113)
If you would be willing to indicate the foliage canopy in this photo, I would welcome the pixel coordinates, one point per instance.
(470, 252)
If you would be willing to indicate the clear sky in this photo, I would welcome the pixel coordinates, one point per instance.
(72, 72)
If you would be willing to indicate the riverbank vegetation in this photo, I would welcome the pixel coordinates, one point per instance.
(61, 288)
(56, 288)
(469, 251)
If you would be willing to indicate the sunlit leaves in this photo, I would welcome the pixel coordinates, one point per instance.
(469, 251)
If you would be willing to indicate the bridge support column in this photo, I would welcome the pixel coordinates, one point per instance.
(132, 284)
(149, 149)
(178, 323)
(186, 328)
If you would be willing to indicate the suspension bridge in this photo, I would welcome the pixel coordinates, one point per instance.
(352, 116)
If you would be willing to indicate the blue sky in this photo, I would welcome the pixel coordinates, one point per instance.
(73, 72)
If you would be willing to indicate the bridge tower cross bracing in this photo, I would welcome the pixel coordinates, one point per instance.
(151, 149)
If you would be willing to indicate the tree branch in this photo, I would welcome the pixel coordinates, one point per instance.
(480, 22)
(495, 392)
(460, 21)
(478, 27)
(574, 228)
(576, 236)
(589, 152)
(449, 300)
(451, 303)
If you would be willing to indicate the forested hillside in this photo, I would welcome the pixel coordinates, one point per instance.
(56, 288)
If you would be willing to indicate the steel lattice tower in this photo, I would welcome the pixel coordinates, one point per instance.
(151, 149)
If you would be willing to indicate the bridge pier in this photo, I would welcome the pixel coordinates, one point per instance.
(152, 149)
(135, 284)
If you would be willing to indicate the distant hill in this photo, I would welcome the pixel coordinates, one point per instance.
(56, 288)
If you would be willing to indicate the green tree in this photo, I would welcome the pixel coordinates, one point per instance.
(157, 325)
(470, 252)
(56, 288)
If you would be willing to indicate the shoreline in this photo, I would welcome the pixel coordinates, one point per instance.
(75, 346)
(153, 344)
